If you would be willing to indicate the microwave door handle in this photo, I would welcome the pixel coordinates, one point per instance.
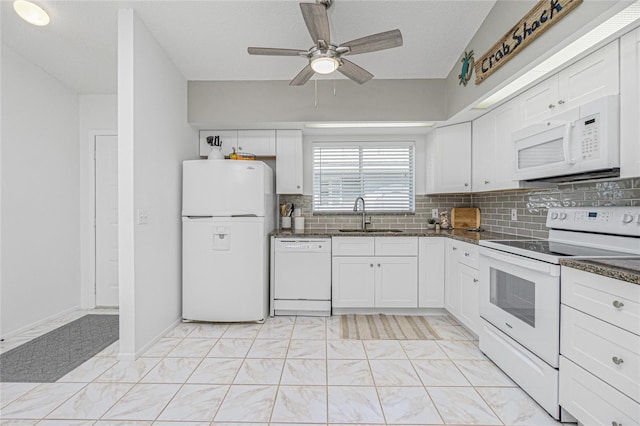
(533, 265)
(566, 144)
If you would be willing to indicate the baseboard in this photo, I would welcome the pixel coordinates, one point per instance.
(40, 322)
(390, 311)
(128, 356)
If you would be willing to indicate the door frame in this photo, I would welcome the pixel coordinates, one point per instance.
(90, 285)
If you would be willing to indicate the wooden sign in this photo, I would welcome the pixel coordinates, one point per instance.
(537, 21)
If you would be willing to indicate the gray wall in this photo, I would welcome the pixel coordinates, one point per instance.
(229, 103)
(495, 207)
(503, 16)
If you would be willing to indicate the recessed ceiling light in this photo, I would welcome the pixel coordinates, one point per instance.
(363, 125)
(31, 12)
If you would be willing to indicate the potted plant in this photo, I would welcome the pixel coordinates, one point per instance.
(431, 223)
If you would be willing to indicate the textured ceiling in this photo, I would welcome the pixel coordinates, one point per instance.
(207, 40)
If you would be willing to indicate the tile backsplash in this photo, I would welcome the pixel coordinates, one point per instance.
(495, 207)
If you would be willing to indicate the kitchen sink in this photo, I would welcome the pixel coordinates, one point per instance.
(379, 231)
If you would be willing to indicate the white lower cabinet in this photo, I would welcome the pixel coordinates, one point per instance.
(469, 313)
(352, 282)
(360, 280)
(451, 282)
(395, 282)
(600, 349)
(431, 272)
(461, 283)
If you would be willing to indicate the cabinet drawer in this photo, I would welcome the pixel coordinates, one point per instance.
(396, 246)
(468, 255)
(606, 351)
(353, 246)
(614, 301)
(592, 401)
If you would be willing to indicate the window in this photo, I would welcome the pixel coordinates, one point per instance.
(381, 173)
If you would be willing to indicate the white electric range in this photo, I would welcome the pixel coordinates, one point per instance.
(520, 286)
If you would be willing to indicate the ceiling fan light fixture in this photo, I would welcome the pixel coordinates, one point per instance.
(31, 12)
(324, 65)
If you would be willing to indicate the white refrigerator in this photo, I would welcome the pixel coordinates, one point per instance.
(228, 211)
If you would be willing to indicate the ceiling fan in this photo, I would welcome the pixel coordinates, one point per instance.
(325, 57)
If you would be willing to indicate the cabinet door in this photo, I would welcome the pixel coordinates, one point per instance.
(483, 152)
(229, 139)
(451, 285)
(431, 272)
(289, 162)
(539, 102)
(590, 78)
(352, 282)
(506, 119)
(396, 281)
(257, 142)
(469, 303)
(630, 104)
(453, 158)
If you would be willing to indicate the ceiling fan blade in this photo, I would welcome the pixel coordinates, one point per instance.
(374, 42)
(303, 76)
(271, 51)
(354, 72)
(315, 16)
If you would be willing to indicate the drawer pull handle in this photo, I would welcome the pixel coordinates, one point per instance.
(616, 424)
(618, 304)
(475, 280)
(378, 265)
(617, 361)
(371, 265)
(454, 248)
(466, 254)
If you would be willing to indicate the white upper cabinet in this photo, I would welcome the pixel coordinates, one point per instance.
(289, 162)
(630, 104)
(492, 149)
(261, 143)
(588, 79)
(452, 159)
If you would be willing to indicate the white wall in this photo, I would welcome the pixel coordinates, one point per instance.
(98, 113)
(40, 196)
(153, 140)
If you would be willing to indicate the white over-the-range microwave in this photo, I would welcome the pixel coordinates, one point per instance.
(581, 142)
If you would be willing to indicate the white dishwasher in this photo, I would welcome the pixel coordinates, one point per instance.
(302, 276)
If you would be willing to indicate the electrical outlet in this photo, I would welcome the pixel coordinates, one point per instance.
(142, 217)
(514, 214)
(434, 213)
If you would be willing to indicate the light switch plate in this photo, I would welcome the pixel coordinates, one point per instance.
(514, 214)
(434, 213)
(142, 217)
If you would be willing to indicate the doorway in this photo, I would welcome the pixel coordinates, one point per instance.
(106, 220)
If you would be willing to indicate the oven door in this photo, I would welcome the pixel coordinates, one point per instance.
(521, 297)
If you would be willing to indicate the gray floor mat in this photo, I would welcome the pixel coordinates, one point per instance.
(47, 358)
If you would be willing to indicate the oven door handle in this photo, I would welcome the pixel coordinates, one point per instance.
(520, 261)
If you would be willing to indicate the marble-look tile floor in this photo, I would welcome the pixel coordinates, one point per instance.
(289, 370)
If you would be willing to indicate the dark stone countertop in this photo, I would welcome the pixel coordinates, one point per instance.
(627, 269)
(456, 234)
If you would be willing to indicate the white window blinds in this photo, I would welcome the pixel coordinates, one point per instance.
(382, 173)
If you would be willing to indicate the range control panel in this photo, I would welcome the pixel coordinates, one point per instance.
(607, 220)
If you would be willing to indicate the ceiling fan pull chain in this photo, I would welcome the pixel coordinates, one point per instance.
(334, 84)
(315, 101)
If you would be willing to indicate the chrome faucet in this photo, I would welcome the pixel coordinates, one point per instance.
(365, 222)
